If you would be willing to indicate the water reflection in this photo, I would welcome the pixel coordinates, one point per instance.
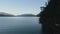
(20, 25)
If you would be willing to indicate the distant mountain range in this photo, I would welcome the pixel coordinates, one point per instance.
(27, 15)
(3, 14)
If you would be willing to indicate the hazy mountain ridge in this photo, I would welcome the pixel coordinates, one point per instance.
(3, 14)
(27, 15)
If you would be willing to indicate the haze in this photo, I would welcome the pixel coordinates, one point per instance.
(21, 6)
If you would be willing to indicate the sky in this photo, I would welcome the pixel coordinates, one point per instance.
(21, 6)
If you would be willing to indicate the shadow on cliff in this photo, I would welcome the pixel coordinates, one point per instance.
(50, 17)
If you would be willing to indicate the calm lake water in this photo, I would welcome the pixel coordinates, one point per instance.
(20, 25)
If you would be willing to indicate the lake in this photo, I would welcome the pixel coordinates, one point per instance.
(20, 25)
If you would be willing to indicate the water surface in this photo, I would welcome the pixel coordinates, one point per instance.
(20, 25)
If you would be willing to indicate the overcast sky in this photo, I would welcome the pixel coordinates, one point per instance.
(21, 6)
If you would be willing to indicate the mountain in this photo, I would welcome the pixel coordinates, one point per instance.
(3, 14)
(27, 15)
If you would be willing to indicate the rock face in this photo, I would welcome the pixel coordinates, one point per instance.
(27, 15)
(50, 16)
(2, 14)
